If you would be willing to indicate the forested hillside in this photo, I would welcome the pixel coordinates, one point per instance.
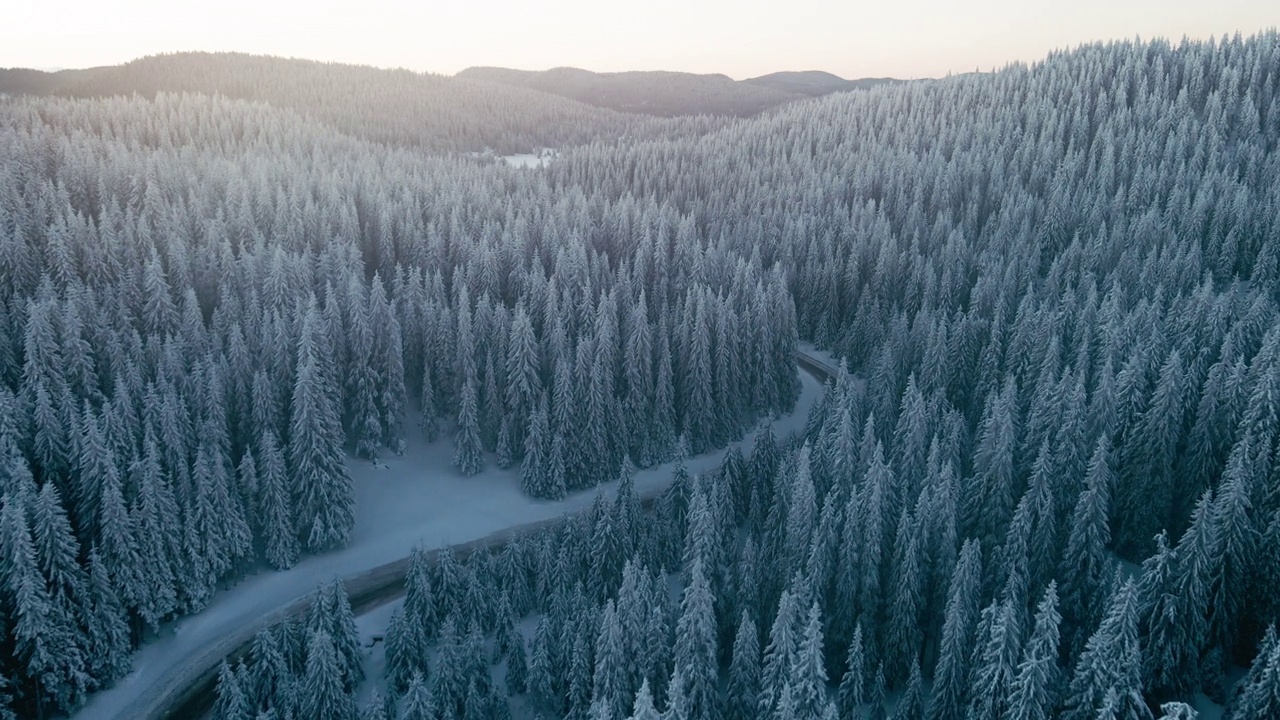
(207, 303)
(651, 93)
(1046, 486)
(399, 107)
(814, 83)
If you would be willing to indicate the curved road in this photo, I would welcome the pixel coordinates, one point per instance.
(188, 689)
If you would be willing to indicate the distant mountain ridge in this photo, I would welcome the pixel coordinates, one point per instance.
(668, 93)
(424, 110)
(305, 84)
(814, 83)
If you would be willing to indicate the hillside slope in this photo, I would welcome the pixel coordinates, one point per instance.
(423, 110)
(653, 92)
(814, 83)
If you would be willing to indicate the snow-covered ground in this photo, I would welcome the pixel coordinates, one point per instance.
(536, 159)
(401, 502)
(526, 160)
(540, 158)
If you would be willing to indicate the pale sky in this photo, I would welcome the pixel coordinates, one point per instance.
(741, 38)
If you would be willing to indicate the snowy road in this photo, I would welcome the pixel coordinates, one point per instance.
(401, 502)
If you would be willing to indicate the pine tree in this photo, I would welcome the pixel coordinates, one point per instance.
(1163, 634)
(658, 636)
(448, 681)
(851, 694)
(361, 411)
(322, 692)
(808, 677)
(677, 700)
(802, 511)
(118, 546)
(266, 413)
(905, 636)
(155, 518)
(342, 630)
(417, 701)
(912, 703)
(643, 708)
(220, 522)
(696, 651)
(599, 710)
(541, 673)
(1084, 564)
(1238, 536)
(1110, 665)
(376, 708)
(537, 478)
(524, 384)
(275, 511)
(98, 467)
(44, 644)
(607, 552)
(1039, 507)
(878, 709)
(108, 628)
(951, 676)
(57, 553)
(6, 700)
(1034, 695)
(388, 361)
(1258, 693)
(52, 439)
(873, 504)
(232, 703)
(517, 667)
(989, 505)
(467, 454)
(780, 654)
(1197, 559)
(633, 610)
(638, 382)
(428, 406)
(609, 688)
(663, 424)
(322, 491)
(159, 313)
(743, 694)
(997, 662)
(1146, 496)
(696, 392)
(272, 680)
(579, 676)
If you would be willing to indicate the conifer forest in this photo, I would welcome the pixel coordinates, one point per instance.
(1040, 480)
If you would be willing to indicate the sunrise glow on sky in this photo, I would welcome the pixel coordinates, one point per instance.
(741, 38)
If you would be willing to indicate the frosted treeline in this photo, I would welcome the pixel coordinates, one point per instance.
(1056, 494)
(208, 304)
(1047, 484)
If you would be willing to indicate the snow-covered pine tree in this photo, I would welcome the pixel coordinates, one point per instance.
(742, 696)
(950, 693)
(1084, 563)
(852, 694)
(808, 678)
(1035, 690)
(1107, 680)
(321, 485)
(643, 708)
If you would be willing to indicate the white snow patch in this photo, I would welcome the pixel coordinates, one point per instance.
(537, 159)
(541, 158)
